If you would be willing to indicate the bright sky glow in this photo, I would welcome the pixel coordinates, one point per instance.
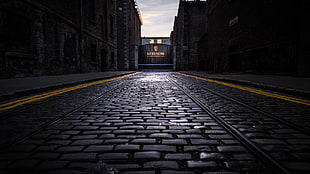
(158, 16)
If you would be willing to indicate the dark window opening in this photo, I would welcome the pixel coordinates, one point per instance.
(103, 60)
(112, 58)
(102, 26)
(70, 47)
(112, 26)
(92, 10)
(16, 33)
(93, 53)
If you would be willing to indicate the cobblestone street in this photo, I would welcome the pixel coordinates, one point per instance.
(157, 123)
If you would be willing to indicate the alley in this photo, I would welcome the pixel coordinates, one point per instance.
(159, 123)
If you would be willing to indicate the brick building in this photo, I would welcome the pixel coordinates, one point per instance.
(129, 32)
(42, 37)
(51, 37)
(189, 27)
(261, 36)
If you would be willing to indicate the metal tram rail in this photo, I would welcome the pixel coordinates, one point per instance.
(41, 127)
(265, 158)
(270, 115)
(260, 154)
(281, 120)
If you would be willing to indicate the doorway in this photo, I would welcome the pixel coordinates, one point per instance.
(103, 60)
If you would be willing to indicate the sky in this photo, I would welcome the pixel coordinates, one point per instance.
(158, 17)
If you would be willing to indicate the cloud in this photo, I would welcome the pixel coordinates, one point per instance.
(158, 16)
(148, 18)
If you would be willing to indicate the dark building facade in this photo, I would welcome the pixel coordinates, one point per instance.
(129, 32)
(260, 36)
(189, 27)
(42, 37)
(52, 37)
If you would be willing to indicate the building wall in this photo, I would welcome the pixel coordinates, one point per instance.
(189, 27)
(42, 37)
(202, 53)
(304, 38)
(99, 36)
(260, 36)
(129, 32)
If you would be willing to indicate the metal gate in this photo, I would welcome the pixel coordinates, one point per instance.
(155, 56)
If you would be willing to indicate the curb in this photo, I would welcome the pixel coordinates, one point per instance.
(22, 93)
(296, 92)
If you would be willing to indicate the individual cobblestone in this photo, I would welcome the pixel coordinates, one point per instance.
(201, 164)
(86, 142)
(161, 165)
(147, 155)
(164, 148)
(176, 172)
(144, 141)
(113, 156)
(99, 148)
(127, 148)
(213, 156)
(242, 165)
(78, 156)
(24, 164)
(178, 156)
(231, 148)
(53, 164)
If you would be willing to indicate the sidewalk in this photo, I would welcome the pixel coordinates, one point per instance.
(299, 86)
(11, 88)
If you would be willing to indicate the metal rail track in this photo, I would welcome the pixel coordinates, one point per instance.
(260, 154)
(41, 127)
(270, 115)
(275, 117)
(6, 113)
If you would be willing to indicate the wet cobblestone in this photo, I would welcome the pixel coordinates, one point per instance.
(271, 135)
(38, 113)
(148, 125)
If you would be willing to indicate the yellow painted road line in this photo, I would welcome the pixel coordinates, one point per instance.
(20, 102)
(287, 98)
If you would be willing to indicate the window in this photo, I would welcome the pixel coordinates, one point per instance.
(93, 53)
(159, 41)
(112, 26)
(91, 10)
(69, 47)
(102, 26)
(152, 41)
(112, 58)
(16, 32)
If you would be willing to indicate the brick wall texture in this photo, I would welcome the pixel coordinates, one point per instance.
(43, 37)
